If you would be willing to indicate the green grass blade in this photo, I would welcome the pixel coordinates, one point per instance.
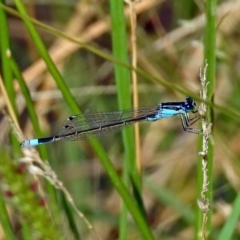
(123, 81)
(6, 70)
(5, 221)
(210, 57)
(47, 59)
(232, 221)
(30, 106)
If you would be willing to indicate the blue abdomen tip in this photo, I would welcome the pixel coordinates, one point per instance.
(28, 143)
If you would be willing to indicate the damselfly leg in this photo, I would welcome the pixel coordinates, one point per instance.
(187, 122)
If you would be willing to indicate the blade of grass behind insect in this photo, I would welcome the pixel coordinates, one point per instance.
(123, 81)
(120, 187)
(210, 57)
(48, 61)
(6, 71)
(7, 76)
(5, 221)
(30, 106)
(232, 221)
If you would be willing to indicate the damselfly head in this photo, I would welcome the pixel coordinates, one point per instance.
(190, 105)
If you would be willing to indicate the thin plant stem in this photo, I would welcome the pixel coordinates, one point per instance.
(208, 82)
(204, 201)
(133, 25)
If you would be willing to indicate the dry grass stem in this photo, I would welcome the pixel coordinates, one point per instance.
(133, 25)
(204, 202)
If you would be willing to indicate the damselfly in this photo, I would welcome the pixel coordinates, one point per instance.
(85, 126)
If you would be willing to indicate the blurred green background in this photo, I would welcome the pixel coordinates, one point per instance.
(169, 37)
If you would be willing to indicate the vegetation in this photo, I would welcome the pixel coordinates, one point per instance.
(62, 58)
